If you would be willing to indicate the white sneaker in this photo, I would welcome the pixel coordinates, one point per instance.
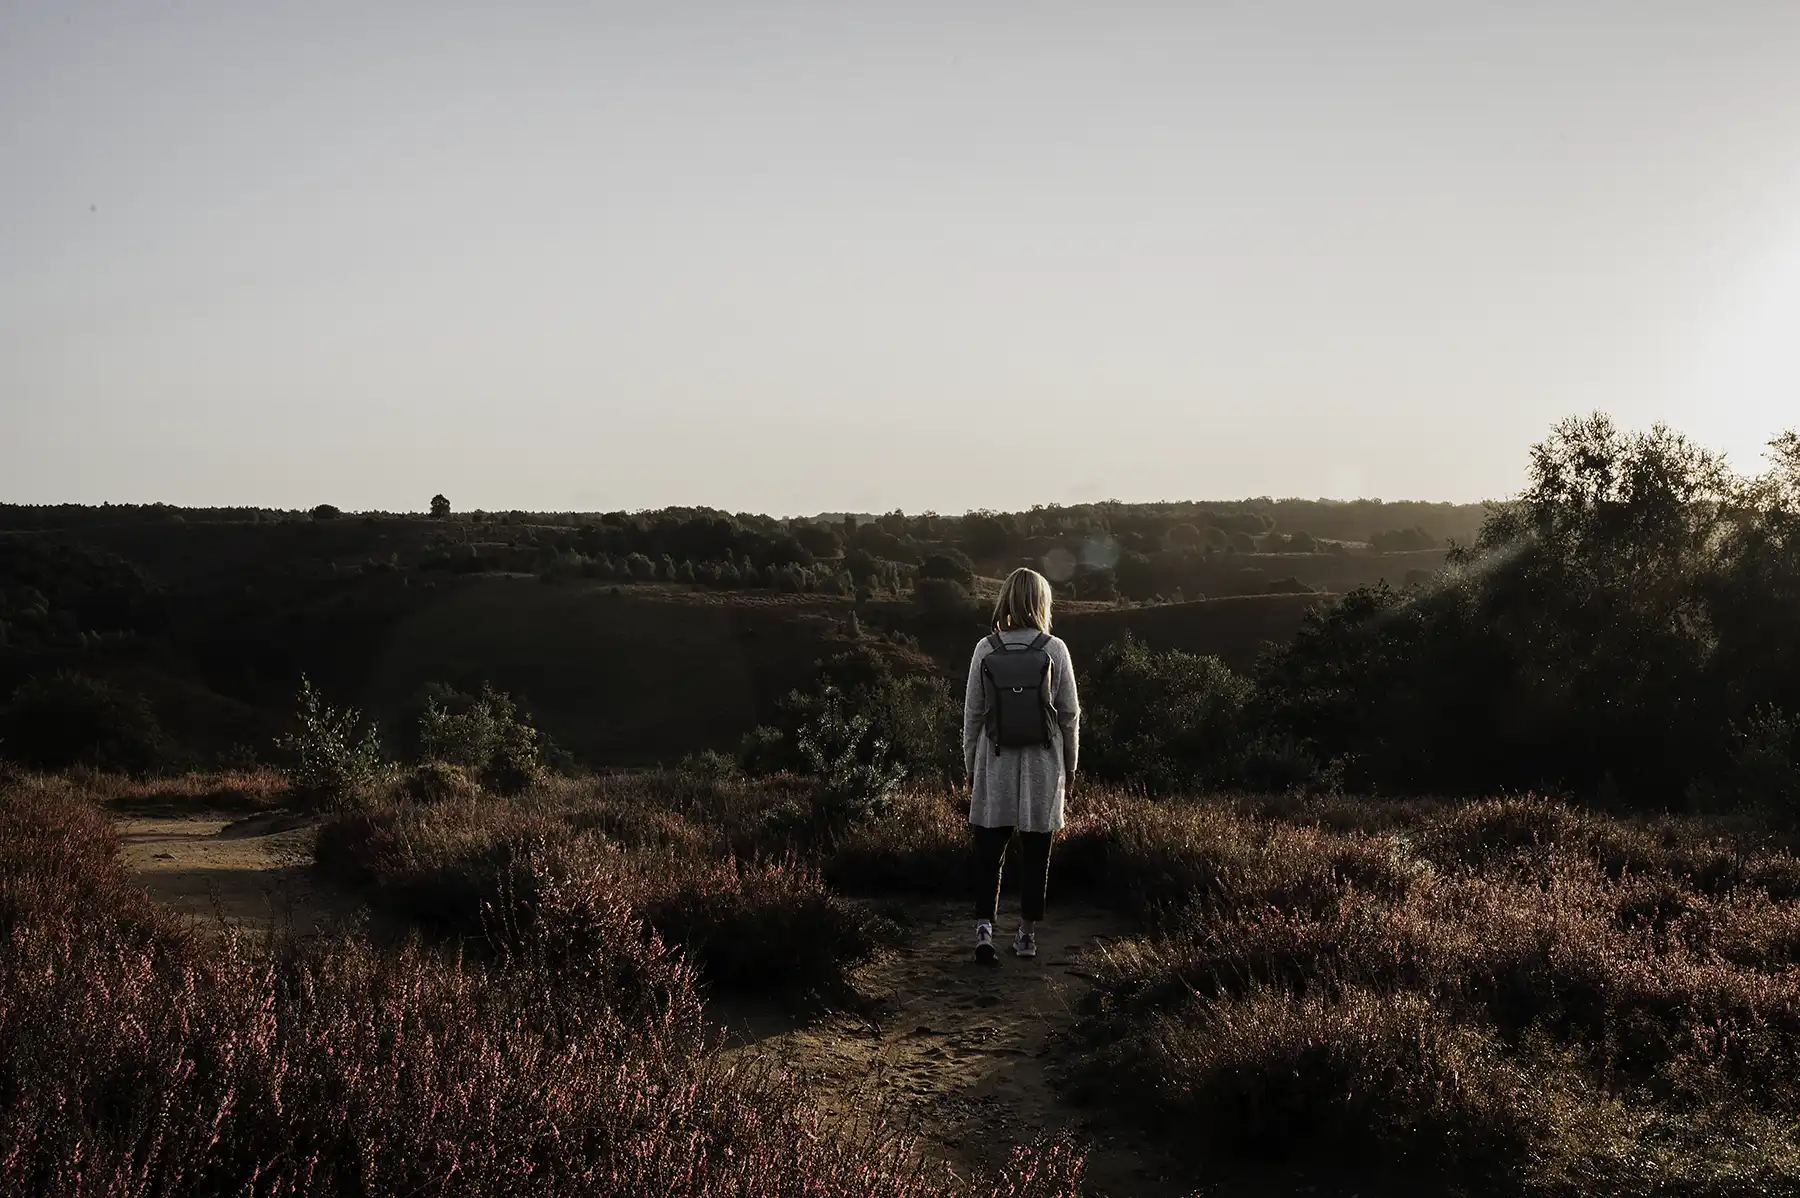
(1024, 944)
(984, 943)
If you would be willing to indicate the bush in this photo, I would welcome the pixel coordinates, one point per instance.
(943, 600)
(949, 564)
(484, 734)
(141, 1059)
(439, 782)
(70, 719)
(1163, 719)
(709, 765)
(854, 765)
(331, 765)
(764, 750)
(1402, 540)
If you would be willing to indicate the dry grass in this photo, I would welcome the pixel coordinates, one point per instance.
(1511, 992)
(138, 1059)
(708, 866)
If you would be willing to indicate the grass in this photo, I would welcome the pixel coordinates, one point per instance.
(708, 866)
(1509, 996)
(138, 1058)
(1514, 994)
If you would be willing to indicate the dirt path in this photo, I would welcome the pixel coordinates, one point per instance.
(251, 871)
(970, 1057)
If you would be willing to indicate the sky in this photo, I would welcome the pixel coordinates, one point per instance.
(804, 257)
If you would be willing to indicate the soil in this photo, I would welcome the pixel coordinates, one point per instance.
(971, 1059)
(249, 872)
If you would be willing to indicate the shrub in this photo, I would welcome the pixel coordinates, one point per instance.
(331, 765)
(1360, 1078)
(1163, 719)
(440, 508)
(439, 782)
(485, 734)
(949, 564)
(70, 719)
(764, 750)
(856, 772)
(709, 765)
(943, 600)
(141, 1059)
(1402, 540)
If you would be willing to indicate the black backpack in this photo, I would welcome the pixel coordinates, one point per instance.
(1017, 678)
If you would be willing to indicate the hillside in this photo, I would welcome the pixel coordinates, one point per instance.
(634, 638)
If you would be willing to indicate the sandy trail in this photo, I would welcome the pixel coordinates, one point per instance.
(254, 872)
(970, 1058)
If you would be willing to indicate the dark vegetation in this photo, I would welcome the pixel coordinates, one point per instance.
(209, 617)
(1622, 630)
(1490, 997)
(570, 1055)
(1595, 994)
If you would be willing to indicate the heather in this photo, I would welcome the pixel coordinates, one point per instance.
(1513, 994)
(138, 1056)
(725, 871)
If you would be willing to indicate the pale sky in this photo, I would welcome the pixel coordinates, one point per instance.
(821, 256)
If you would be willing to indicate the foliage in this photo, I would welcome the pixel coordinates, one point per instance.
(709, 765)
(576, 1057)
(485, 734)
(943, 600)
(855, 766)
(71, 719)
(1512, 996)
(916, 714)
(1163, 719)
(440, 508)
(949, 564)
(763, 751)
(1607, 632)
(1402, 540)
(332, 765)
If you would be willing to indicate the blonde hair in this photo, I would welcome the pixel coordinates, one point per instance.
(1024, 602)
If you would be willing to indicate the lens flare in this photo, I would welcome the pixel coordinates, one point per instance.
(1059, 565)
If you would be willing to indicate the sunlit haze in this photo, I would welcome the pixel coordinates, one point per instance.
(832, 256)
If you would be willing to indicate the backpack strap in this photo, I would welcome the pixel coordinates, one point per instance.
(997, 643)
(1039, 641)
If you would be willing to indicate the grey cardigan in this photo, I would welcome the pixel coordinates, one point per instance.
(1022, 788)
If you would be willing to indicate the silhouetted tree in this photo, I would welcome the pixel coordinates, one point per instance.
(440, 508)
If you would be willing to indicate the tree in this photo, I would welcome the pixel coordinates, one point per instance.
(336, 758)
(440, 508)
(942, 598)
(820, 540)
(326, 511)
(1136, 575)
(949, 564)
(71, 719)
(1402, 540)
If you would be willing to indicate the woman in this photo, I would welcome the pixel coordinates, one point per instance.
(1021, 739)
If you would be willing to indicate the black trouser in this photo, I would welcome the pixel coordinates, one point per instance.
(990, 861)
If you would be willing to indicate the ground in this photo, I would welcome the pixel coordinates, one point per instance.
(252, 871)
(968, 1057)
(971, 1058)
